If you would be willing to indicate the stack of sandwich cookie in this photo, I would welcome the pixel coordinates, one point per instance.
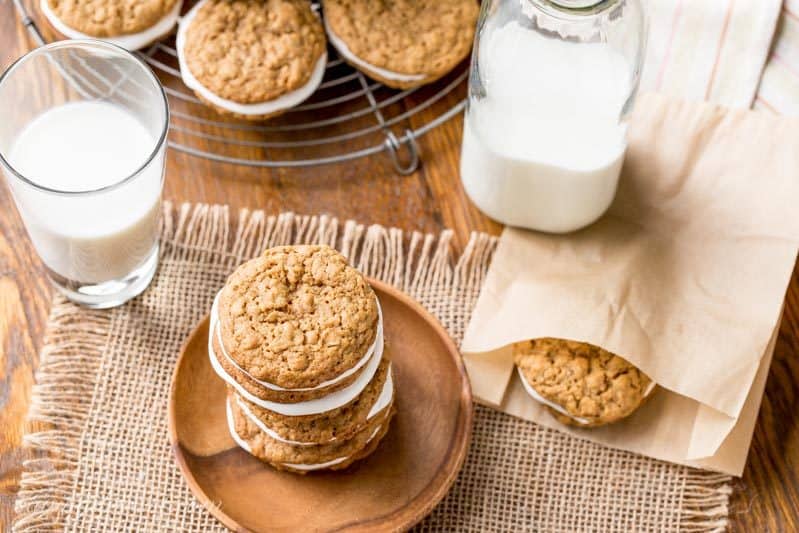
(252, 59)
(297, 334)
(401, 43)
(581, 384)
(131, 24)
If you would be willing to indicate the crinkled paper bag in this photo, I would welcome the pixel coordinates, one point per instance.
(685, 277)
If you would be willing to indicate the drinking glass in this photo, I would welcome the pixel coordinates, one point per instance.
(83, 127)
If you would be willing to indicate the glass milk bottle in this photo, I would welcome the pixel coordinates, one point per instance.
(551, 87)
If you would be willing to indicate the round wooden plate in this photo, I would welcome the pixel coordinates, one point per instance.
(395, 487)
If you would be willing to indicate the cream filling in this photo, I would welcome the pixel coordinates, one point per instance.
(132, 41)
(297, 466)
(266, 384)
(319, 466)
(334, 400)
(280, 103)
(342, 48)
(537, 397)
(383, 401)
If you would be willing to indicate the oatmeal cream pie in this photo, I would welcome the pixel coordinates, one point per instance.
(581, 384)
(296, 325)
(302, 459)
(253, 59)
(297, 335)
(327, 426)
(332, 393)
(401, 43)
(131, 24)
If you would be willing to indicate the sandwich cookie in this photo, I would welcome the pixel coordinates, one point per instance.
(330, 426)
(581, 384)
(297, 334)
(298, 318)
(130, 24)
(317, 405)
(253, 59)
(264, 390)
(301, 459)
(401, 43)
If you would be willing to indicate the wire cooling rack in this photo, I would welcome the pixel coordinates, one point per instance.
(348, 117)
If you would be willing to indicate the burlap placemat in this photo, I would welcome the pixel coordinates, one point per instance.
(102, 387)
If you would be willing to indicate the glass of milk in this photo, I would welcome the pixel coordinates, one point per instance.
(551, 86)
(83, 128)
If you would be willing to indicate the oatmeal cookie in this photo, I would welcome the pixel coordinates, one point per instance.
(338, 424)
(580, 382)
(402, 43)
(252, 58)
(297, 316)
(109, 18)
(283, 455)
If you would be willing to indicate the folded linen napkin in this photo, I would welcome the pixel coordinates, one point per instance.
(708, 49)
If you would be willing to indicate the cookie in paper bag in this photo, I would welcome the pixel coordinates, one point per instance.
(581, 384)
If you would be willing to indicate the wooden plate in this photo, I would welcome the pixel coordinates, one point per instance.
(394, 488)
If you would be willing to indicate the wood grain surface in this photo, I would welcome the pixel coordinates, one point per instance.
(367, 190)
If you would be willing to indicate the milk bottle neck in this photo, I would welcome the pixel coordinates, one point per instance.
(573, 7)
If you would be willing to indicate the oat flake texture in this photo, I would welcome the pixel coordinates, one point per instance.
(110, 18)
(277, 453)
(253, 51)
(586, 380)
(427, 37)
(337, 424)
(297, 316)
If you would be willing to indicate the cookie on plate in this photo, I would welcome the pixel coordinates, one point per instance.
(131, 24)
(298, 317)
(252, 59)
(297, 335)
(401, 43)
(581, 384)
(327, 426)
(302, 459)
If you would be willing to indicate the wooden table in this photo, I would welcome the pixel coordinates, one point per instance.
(367, 190)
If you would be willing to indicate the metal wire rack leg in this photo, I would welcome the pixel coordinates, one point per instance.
(391, 143)
(29, 24)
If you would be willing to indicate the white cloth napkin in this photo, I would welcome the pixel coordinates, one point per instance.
(779, 88)
(708, 49)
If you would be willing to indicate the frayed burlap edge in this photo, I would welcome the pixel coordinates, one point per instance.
(63, 394)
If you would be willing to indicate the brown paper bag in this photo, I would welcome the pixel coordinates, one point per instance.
(684, 276)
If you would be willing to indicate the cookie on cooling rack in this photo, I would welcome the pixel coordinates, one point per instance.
(131, 24)
(253, 59)
(401, 43)
(581, 384)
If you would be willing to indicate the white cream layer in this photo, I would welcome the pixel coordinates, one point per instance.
(297, 466)
(131, 41)
(280, 103)
(383, 401)
(345, 52)
(319, 466)
(266, 384)
(537, 397)
(334, 400)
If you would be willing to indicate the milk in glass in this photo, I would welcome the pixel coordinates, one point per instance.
(87, 146)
